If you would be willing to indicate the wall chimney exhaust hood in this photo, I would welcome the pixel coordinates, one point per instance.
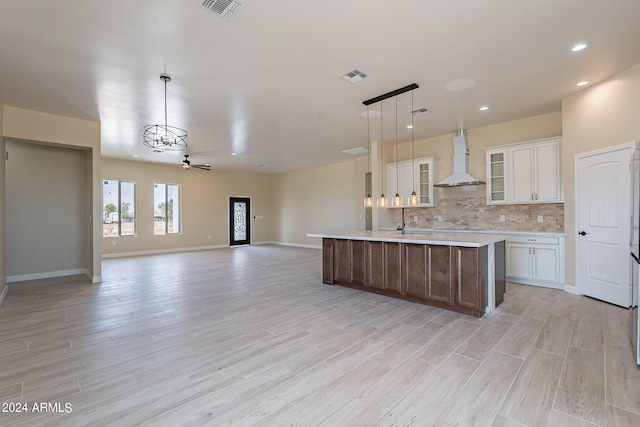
(460, 174)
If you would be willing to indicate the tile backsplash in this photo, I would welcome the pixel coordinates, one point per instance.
(473, 213)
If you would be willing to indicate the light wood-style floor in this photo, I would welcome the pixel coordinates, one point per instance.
(250, 336)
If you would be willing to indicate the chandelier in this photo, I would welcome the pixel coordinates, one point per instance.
(165, 137)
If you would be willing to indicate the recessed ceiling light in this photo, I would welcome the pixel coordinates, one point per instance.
(582, 83)
(234, 154)
(356, 151)
(460, 84)
(409, 126)
(484, 108)
(579, 46)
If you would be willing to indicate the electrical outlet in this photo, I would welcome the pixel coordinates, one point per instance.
(540, 218)
(503, 218)
(415, 218)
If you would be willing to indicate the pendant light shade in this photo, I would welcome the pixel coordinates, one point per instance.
(368, 201)
(164, 137)
(413, 199)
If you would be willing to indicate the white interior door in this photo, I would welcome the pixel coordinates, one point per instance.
(603, 190)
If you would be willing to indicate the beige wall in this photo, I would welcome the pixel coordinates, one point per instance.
(319, 200)
(205, 206)
(20, 124)
(605, 115)
(45, 210)
(3, 249)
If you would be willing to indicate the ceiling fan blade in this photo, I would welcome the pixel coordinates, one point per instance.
(186, 164)
(203, 167)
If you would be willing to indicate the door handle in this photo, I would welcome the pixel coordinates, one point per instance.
(582, 233)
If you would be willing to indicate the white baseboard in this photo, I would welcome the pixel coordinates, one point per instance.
(94, 279)
(162, 251)
(541, 283)
(47, 275)
(297, 245)
(572, 290)
(200, 248)
(3, 293)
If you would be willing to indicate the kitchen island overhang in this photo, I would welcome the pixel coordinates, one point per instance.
(459, 272)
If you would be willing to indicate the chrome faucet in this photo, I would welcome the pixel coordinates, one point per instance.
(402, 226)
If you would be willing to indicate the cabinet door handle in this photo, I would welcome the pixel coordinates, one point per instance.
(583, 233)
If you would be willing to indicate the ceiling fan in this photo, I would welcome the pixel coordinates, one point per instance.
(186, 164)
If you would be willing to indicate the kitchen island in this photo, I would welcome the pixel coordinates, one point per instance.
(459, 272)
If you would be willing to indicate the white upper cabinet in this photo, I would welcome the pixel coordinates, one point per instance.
(410, 175)
(529, 173)
(496, 176)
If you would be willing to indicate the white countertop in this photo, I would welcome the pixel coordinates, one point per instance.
(474, 240)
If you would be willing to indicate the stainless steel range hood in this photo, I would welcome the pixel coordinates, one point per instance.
(460, 174)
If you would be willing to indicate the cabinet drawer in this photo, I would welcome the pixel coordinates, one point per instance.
(535, 240)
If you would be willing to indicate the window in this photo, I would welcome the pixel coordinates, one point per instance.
(118, 208)
(166, 212)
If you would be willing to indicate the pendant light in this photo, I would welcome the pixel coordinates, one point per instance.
(368, 201)
(397, 200)
(165, 137)
(413, 198)
(382, 200)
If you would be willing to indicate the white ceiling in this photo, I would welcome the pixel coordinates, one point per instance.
(267, 84)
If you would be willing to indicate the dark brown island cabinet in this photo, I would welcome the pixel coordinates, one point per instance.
(467, 278)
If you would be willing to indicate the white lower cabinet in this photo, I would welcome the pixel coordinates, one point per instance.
(535, 260)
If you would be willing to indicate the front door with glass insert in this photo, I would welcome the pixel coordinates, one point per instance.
(239, 219)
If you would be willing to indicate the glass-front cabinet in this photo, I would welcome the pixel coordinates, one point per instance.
(496, 185)
(426, 184)
(412, 175)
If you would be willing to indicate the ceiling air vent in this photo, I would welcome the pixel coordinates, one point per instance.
(225, 9)
(354, 76)
(419, 111)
